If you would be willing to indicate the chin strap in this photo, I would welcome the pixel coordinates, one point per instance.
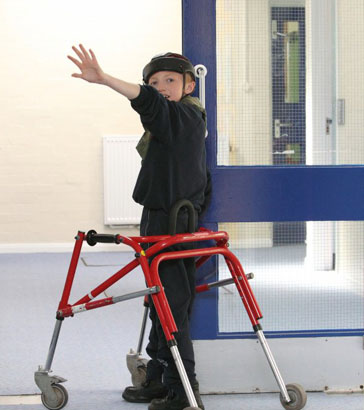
(184, 85)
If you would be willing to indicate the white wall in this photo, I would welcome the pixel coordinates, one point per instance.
(51, 124)
(350, 136)
(320, 98)
(244, 97)
(350, 85)
(243, 80)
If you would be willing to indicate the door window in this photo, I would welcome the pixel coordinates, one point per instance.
(282, 106)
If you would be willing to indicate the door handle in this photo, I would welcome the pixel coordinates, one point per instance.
(277, 127)
(201, 72)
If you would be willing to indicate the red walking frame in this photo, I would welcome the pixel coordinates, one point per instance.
(55, 396)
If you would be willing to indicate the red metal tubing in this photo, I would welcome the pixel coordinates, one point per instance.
(168, 323)
(168, 326)
(65, 312)
(99, 303)
(202, 288)
(164, 314)
(71, 310)
(167, 320)
(108, 282)
(165, 241)
(143, 260)
(244, 291)
(149, 239)
(72, 270)
(161, 242)
(243, 285)
(118, 275)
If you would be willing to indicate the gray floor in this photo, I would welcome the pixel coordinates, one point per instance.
(92, 345)
(292, 295)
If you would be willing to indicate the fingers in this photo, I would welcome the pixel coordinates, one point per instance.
(93, 56)
(74, 60)
(85, 53)
(78, 52)
(87, 63)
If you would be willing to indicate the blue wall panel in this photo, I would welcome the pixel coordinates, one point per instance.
(257, 194)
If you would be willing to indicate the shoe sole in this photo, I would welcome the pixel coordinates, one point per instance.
(135, 400)
(141, 400)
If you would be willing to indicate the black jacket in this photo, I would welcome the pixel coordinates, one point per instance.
(175, 164)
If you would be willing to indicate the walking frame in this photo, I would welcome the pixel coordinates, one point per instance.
(54, 396)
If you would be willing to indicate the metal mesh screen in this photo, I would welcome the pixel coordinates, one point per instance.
(315, 285)
(289, 85)
(289, 93)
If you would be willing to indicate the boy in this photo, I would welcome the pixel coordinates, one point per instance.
(173, 168)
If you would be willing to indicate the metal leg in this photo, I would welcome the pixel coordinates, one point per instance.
(53, 394)
(136, 364)
(52, 346)
(183, 375)
(273, 365)
(142, 330)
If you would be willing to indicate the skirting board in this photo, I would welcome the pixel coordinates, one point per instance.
(318, 364)
(66, 247)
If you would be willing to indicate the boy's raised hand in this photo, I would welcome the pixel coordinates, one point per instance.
(88, 65)
(92, 72)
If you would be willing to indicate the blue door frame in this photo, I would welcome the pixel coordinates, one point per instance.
(259, 193)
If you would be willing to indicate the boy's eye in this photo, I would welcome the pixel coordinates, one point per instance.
(153, 83)
(170, 80)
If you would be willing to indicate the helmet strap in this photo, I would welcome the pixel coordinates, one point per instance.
(184, 85)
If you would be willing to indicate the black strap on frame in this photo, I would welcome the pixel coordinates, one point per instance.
(174, 213)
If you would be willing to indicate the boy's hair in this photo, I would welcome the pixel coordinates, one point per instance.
(168, 62)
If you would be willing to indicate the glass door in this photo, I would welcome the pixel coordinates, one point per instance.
(274, 166)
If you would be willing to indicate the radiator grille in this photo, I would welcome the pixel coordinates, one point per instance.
(121, 167)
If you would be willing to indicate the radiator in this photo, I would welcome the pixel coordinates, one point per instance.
(121, 167)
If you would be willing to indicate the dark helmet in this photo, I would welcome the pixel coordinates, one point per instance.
(168, 62)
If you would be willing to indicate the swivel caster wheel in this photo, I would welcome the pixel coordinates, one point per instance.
(61, 398)
(297, 395)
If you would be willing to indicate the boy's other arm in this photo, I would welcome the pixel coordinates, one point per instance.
(92, 72)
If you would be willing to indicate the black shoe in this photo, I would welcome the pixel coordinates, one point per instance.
(174, 402)
(149, 390)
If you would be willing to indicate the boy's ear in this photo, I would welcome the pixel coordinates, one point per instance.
(189, 87)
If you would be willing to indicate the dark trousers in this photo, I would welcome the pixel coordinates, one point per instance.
(178, 279)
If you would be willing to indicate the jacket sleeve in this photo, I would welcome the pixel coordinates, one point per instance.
(164, 119)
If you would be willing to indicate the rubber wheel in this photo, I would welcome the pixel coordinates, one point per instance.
(62, 398)
(297, 395)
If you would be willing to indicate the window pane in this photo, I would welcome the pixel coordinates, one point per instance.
(289, 86)
(314, 285)
(292, 61)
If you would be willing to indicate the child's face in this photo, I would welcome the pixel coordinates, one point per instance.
(170, 85)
